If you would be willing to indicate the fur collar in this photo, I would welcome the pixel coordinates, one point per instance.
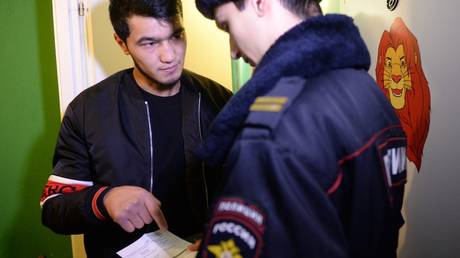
(315, 46)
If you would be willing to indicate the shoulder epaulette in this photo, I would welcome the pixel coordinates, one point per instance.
(267, 110)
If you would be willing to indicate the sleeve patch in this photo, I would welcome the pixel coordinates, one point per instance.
(53, 188)
(236, 230)
(394, 159)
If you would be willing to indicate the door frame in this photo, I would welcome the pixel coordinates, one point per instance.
(73, 49)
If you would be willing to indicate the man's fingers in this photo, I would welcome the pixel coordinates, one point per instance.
(133, 207)
(159, 218)
(145, 216)
(137, 221)
(155, 212)
(126, 225)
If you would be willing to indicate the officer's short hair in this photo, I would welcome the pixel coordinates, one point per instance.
(299, 7)
(121, 10)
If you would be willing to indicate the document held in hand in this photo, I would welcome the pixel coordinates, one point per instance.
(158, 245)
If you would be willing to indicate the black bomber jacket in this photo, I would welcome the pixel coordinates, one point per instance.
(104, 141)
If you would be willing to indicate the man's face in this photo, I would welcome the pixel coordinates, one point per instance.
(157, 48)
(238, 24)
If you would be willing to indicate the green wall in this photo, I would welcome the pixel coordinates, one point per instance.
(29, 117)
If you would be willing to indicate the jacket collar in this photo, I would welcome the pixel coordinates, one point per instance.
(315, 46)
(134, 91)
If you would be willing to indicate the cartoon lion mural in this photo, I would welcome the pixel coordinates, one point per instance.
(399, 74)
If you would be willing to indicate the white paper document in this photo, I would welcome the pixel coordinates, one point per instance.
(158, 245)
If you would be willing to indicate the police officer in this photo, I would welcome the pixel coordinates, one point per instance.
(315, 154)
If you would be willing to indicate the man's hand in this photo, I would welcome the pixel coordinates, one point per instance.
(133, 207)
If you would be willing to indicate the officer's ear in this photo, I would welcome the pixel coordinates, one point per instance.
(121, 43)
(260, 7)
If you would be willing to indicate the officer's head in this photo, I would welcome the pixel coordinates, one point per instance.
(301, 7)
(151, 32)
(254, 25)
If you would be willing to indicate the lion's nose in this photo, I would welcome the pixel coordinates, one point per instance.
(396, 78)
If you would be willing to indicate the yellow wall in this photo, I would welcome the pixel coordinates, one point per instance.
(208, 51)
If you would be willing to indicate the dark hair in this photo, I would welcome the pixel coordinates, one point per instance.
(121, 10)
(206, 7)
(299, 7)
(305, 8)
(312, 8)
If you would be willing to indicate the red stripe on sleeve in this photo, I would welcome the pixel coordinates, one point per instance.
(96, 210)
(53, 188)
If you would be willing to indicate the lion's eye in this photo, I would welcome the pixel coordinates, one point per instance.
(388, 63)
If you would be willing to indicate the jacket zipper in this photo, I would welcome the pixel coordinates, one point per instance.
(151, 146)
(202, 162)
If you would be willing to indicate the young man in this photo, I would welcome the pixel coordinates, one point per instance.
(315, 155)
(126, 145)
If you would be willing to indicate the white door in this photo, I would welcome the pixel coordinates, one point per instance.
(85, 50)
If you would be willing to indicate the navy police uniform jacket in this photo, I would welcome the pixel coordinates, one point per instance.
(314, 153)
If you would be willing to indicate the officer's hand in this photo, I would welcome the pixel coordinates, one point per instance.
(195, 246)
(133, 207)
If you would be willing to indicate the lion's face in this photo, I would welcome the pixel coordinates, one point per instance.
(399, 73)
(396, 76)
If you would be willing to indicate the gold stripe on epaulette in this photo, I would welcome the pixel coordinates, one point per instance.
(271, 100)
(266, 107)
